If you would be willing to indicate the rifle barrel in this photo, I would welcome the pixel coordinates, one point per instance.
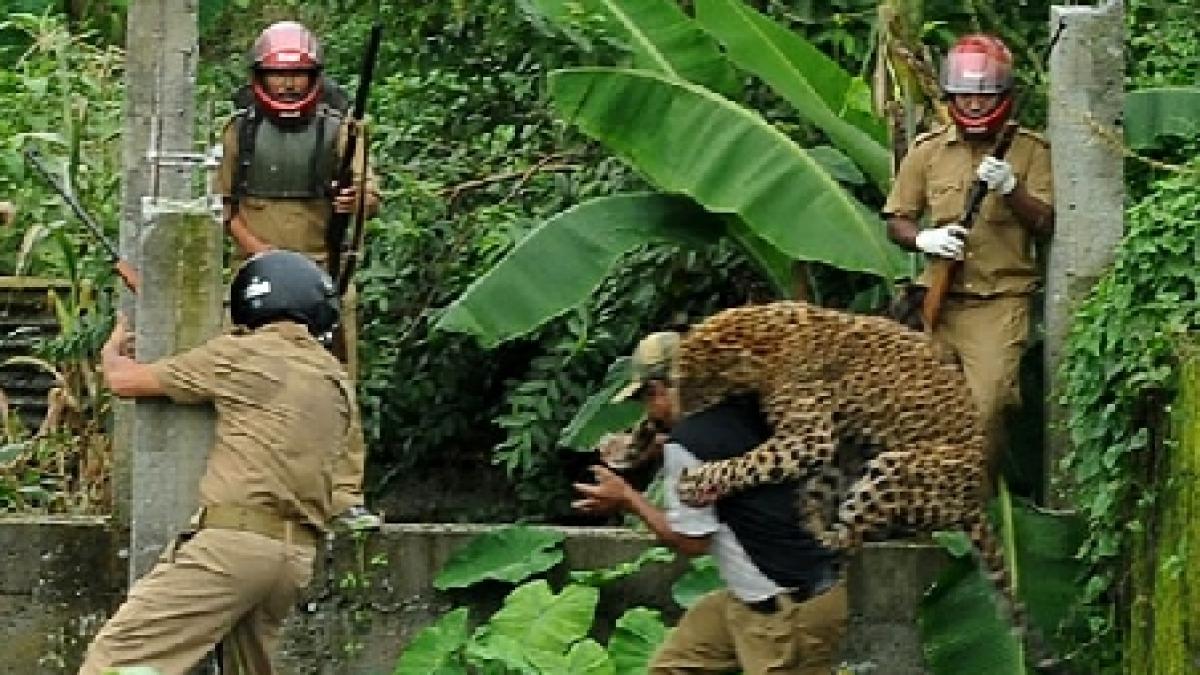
(97, 231)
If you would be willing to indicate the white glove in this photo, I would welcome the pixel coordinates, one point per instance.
(947, 241)
(998, 174)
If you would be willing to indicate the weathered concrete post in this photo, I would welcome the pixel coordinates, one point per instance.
(1087, 70)
(176, 247)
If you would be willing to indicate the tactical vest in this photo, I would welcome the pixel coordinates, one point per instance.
(285, 162)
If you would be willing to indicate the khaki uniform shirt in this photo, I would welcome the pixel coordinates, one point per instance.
(935, 178)
(291, 224)
(283, 412)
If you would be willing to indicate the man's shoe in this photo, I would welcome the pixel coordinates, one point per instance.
(357, 519)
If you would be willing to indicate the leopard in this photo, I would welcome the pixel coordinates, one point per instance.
(881, 431)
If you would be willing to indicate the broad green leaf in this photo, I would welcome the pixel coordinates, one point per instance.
(1047, 542)
(688, 140)
(837, 164)
(773, 264)
(543, 621)
(637, 634)
(654, 554)
(588, 657)
(960, 624)
(1152, 116)
(510, 554)
(657, 33)
(564, 259)
(599, 415)
(499, 654)
(960, 616)
(819, 89)
(700, 579)
(435, 650)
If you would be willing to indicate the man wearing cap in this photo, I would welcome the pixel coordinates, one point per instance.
(784, 606)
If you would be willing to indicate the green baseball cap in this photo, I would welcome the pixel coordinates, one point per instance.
(651, 360)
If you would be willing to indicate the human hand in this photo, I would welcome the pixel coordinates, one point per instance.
(609, 493)
(346, 200)
(694, 489)
(120, 340)
(947, 241)
(998, 174)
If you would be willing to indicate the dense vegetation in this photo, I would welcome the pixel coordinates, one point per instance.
(473, 157)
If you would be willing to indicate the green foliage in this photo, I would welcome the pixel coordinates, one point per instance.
(960, 616)
(508, 554)
(537, 631)
(702, 578)
(561, 262)
(1119, 372)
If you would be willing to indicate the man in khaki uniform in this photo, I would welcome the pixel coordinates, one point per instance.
(283, 407)
(276, 194)
(984, 321)
(784, 608)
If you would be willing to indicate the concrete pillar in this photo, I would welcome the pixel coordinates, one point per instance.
(176, 247)
(1086, 102)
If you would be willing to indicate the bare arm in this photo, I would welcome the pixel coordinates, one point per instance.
(124, 376)
(1034, 214)
(903, 230)
(611, 493)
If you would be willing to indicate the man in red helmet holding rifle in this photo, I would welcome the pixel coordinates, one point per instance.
(280, 155)
(984, 319)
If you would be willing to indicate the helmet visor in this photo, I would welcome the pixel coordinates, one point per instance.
(975, 73)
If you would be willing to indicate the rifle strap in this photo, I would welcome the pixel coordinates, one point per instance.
(247, 121)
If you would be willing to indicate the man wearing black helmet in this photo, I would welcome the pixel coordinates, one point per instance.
(279, 154)
(984, 321)
(283, 407)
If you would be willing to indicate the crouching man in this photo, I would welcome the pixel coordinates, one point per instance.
(283, 407)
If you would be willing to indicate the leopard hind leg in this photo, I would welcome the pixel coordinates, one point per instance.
(868, 506)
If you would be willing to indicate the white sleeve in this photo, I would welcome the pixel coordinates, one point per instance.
(684, 519)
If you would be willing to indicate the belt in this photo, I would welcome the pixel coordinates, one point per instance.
(803, 593)
(258, 521)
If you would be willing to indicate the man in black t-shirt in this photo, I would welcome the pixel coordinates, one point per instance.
(784, 607)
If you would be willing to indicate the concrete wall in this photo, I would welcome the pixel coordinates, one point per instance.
(61, 578)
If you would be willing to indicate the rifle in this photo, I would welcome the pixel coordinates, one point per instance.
(943, 271)
(335, 230)
(126, 271)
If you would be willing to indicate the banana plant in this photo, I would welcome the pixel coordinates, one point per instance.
(668, 118)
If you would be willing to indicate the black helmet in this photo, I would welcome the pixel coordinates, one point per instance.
(279, 285)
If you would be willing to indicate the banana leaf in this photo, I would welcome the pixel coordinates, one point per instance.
(657, 33)
(511, 554)
(599, 415)
(1154, 115)
(689, 140)
(960, 621)
(816, 86)
(564, 259)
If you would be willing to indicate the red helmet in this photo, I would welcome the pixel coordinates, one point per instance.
(286, 45)
(979, 64)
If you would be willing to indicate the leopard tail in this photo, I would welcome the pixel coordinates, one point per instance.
(991, 554)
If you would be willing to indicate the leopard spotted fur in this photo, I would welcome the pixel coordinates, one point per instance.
(879, 431)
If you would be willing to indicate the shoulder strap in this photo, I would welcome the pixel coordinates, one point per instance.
(246, 121)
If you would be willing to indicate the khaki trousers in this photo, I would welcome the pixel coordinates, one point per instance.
(219, 585)
(720, 634)
(987, 337)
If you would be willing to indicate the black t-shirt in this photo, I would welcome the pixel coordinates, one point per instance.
(766, 518)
